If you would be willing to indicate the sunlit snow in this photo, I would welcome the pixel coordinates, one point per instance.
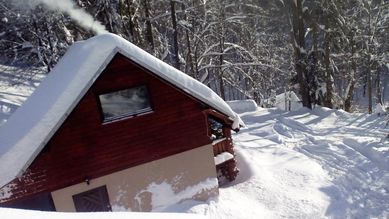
(306, 164)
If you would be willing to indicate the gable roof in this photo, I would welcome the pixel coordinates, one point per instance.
(28, 130)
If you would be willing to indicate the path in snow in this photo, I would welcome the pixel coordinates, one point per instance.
(306, 164)
(350, 147)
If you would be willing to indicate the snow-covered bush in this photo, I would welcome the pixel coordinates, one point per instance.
(379, 110)
(240, 106)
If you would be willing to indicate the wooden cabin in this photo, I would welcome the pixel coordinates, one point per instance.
(108, 128)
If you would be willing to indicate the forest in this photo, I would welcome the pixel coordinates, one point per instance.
(324, 50)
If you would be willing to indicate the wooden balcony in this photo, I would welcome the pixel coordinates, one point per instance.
(223, 149)
(220, 146)
(224, 159)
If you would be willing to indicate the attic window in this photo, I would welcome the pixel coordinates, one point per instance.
(125, 103)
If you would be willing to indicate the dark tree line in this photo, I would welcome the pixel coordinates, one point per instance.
(323, 49)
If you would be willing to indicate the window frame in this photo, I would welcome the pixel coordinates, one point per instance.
(222, 135)
(128, 115)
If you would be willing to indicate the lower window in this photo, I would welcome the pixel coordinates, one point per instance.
(41, 202)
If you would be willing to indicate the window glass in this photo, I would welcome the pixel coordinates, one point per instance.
(125, 102)
(216, 129)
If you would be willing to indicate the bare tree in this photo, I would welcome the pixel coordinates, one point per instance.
(298, 42)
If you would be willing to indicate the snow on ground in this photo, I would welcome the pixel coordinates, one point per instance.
(241, 106)
(306, 164)
(8, 213)
(16, 87)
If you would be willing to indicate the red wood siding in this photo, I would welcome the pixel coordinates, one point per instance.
(83, 147)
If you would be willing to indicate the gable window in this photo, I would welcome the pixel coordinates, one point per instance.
(125, 103)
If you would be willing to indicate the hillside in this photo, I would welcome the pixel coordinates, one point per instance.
(16, 88)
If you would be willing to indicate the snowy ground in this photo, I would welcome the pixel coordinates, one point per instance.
(301, 164)
(8, 213)
(306, 164)
(16, 87)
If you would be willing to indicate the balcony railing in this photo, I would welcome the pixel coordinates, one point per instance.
(224, 159)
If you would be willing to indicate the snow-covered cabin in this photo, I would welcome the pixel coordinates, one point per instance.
(114, 128)
(285, 101)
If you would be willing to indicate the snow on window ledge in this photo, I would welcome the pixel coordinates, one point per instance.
(223, 157)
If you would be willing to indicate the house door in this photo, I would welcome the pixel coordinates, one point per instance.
(92, 200)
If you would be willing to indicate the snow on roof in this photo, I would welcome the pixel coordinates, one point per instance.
(26, 132)
(9, 213)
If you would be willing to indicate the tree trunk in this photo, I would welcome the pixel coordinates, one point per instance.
(298, 42)
(379, 88)
(349, 93)
(176, 58)
(221, 76)
(131, 25)
(352, 77)
(314, 65)
(221, 47)
(369, 87)
(189, 46)
(369, 77)
(328, 78)
(149, 27)
(45, 60)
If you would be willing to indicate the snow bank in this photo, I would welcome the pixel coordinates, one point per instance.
(241, 106)
(163, 194)
(379, 109)
(27, 130)
(8, 213)
(320, 163)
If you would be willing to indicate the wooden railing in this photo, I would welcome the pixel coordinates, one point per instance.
(226, 169)
(220, 146)
(223, 148)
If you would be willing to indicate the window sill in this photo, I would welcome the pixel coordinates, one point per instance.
(125, 117)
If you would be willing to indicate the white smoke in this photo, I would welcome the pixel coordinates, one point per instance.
(79, 15)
